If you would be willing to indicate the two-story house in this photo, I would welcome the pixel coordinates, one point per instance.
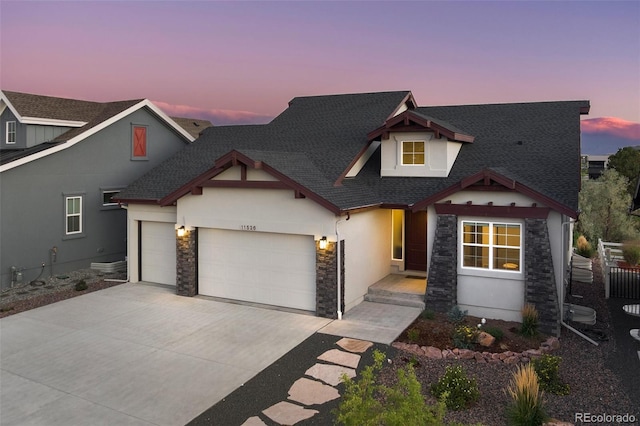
(339, 191)
(61, 162)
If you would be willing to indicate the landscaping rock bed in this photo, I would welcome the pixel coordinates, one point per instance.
(507, 357)
(593, 386)
(55, 288)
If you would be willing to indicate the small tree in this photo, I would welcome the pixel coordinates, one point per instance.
(366, 402)
(604, 205)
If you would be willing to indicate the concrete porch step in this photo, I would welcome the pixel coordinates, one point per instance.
(381, 291)
(402, 299)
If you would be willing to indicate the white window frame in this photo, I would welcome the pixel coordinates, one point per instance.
(491, 246)
(78, 214)
(424, 152)
(10, 129)
(103, 192)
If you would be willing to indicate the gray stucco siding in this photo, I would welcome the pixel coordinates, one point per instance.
(36, 134)
(32, 209)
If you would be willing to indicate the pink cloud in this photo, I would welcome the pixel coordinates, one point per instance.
(217, 116)
(612, 125)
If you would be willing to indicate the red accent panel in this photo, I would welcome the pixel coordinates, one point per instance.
(139, 141)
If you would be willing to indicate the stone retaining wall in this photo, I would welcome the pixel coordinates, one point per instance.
(508, 357)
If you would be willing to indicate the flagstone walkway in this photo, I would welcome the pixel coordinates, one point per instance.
(319, 385)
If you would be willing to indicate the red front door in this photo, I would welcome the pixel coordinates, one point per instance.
(416, 241)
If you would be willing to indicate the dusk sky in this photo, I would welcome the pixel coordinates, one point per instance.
(241, 62)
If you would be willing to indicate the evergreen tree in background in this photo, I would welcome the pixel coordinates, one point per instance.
(604, 205)
(627, 163)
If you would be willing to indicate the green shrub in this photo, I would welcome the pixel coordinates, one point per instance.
(428, 314)
(631, 252)
(529, 321)
(547, 369)
(465, 337)
(413, 334)
(527, 404)
(403, 403)
(457, 390)
(456, 315)
(81, 285)
(583, 247)
(495, 332)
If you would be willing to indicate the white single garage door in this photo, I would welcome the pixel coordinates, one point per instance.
(158, 253)
(274, 269)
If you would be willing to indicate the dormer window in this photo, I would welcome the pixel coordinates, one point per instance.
(413, 153)
(11, 132)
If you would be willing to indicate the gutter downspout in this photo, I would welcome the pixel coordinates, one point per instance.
(339, 268)
(564, 254)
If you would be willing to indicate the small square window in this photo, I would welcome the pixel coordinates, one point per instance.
(107, 197)
(413, 152)
(11, 132)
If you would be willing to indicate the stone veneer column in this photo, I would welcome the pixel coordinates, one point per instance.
(539, 276)
(442, 281)
(187, 264)
(326, 278)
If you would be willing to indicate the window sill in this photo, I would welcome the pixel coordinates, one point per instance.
(74, 236)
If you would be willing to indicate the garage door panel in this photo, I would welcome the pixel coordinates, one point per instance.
(275, 269)
(158, 253)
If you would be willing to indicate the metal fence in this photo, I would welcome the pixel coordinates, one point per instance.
(618, 282)
(624, 283)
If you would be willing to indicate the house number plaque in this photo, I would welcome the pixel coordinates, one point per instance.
(248, 227)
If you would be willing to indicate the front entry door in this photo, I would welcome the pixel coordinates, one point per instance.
(416, 241)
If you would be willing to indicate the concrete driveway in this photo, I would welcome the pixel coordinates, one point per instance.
(135, 355)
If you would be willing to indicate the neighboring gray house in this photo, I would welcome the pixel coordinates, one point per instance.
(61, 161)
(339, 191)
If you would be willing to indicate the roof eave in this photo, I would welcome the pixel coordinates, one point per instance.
(488, 174)
(235, 157)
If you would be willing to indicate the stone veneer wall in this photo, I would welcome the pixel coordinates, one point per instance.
(187, 264)
(326, 278)
(442, 281)
(539, 276)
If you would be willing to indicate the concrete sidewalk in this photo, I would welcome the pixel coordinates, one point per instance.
(136, 355)
(375, 322)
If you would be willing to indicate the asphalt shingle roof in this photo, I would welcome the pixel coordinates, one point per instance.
(316, 138)
(92, 113)
(193, 126)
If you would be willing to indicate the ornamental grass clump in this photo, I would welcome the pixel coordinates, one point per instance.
(413, 334)
(547, 369)
(527, 403)
(529, 326)
(458, 390)
(631, 252)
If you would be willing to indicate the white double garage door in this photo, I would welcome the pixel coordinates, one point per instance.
(260, 267)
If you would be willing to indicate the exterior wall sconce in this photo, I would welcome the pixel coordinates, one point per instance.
(181, 231)
(323, 243)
